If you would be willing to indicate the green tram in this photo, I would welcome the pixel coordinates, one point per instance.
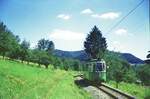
(95, 70)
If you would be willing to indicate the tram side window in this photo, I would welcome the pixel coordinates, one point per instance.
(90, 68)
(86, 68)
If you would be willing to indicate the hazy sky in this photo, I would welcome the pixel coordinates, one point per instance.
(67, 22)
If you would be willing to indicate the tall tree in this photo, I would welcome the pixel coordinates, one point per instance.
(144, 74)
(24, 47)
(50, 47)
(46, 45)
(42, 44)
(8, 41)
(3, 39)
(95, 44)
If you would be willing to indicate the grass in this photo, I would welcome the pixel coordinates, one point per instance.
(21, 81)
(138, 91)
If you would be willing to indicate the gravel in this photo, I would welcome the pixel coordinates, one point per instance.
(95, 92)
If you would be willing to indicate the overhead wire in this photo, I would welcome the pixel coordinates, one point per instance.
(123, 18)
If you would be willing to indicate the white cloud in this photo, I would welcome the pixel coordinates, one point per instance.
(109, 15)
(64, 16)
(67, 40)
(66, 35)
(87, 11)
(121, 31)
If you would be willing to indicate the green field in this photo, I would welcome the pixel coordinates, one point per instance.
(21, 81)
(138, 91)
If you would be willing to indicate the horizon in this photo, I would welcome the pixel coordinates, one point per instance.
(68, 22)
(108, 50)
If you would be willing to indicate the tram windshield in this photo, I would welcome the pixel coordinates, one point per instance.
(99, 66)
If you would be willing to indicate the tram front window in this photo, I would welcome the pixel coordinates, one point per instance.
(99, 67)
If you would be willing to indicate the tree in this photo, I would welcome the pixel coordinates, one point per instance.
(129, 73)
(8, 41)
(119, 69)
(116, 70)
(95, 44)
(45, 60)
(45, 45)
(14, 53)
(50, 47)
(41, 57)
(124, 72)
(45, 48)
(42, 44)
(118, 75)
(57, 62)
(4, 39)
(65, 64)
(15, 50)
(24, 49)
(144, 74)
(76, 65)
(36, 56)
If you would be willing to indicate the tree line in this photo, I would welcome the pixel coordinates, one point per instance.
(12, 47)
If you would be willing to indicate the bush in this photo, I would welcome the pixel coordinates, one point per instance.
(144, 74)
(147, 94)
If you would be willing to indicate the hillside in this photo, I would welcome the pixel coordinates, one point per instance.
(21, 81)
(81, 55)
(131, 58)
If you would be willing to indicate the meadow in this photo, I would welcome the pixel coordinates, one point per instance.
(138, 91)
(21, 81)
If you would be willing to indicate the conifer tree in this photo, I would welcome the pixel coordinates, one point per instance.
(95, 44)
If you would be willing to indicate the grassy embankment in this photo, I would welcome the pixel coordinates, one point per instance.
(21, 81)
(138, 91)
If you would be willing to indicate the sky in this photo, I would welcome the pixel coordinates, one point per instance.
(67, 22)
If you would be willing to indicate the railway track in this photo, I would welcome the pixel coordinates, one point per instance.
(114, 93)
(111, 92)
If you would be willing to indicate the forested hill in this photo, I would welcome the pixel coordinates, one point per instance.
(81, 55)
(131, 58)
